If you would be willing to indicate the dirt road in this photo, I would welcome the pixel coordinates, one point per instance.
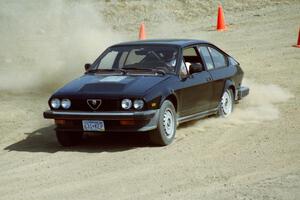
(255, 154)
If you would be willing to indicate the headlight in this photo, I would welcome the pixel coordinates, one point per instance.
(66, 103)
(126, 104)
(55, 103)
(138, 104)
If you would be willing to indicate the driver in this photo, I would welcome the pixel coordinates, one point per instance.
(170, 58)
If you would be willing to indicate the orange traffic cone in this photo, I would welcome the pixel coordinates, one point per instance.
(221, 20)
(298, 43)
(142, 33)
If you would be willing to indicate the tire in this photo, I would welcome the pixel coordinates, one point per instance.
(166, 125)
(68, 139)
(226, 103)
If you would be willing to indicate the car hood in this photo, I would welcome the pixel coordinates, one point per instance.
(111, 85)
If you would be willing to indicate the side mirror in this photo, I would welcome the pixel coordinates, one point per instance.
(196, 67)
(87, 66)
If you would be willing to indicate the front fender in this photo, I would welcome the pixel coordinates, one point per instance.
(162, 91)
(172, 96)
(160, 96)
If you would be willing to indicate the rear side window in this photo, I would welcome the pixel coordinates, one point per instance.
(206, 56)
(218, 58)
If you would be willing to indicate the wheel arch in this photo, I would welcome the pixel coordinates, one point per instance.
(229, 84)
(173, 98)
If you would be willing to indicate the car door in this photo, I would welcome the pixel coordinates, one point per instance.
(196, 89)
(216, 64)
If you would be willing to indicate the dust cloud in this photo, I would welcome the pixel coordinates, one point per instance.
(261, 105)
(44, 44)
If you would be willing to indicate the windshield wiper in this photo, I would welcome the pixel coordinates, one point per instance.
(107, 70)
(146, 69)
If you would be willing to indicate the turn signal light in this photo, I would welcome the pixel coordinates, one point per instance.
(60, 121)
(153, 104)
(127, 122)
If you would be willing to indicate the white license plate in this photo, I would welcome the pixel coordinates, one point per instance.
(93, 125)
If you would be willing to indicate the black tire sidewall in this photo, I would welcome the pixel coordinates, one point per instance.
(166, 104)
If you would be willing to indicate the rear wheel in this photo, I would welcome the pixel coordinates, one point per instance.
(226, 103)
(67, 139)
(166, 127)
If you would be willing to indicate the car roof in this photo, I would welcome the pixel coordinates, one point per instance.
(174, 42)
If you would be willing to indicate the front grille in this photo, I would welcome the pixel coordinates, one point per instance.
(106, 105)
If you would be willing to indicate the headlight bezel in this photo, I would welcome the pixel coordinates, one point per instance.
(138, 104)
(127, 102)
(67, 105)
(55, 103)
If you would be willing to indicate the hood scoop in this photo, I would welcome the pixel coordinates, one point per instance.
(103, 87)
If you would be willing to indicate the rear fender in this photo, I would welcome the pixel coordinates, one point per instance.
(230, 84)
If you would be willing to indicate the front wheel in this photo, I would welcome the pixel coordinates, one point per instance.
(166, 126)
(68, 139)
(226, 103)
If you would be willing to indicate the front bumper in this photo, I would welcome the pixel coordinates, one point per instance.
(143, 120)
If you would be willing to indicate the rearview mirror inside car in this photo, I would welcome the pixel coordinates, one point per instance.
(196, 67)
(141, 52)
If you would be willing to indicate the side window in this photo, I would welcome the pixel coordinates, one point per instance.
(189, 52)
(183, 70)
(206, 56)
(108, 60)
(218, 58)
(191, 56)
(232, 61)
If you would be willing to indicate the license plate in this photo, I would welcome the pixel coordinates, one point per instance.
(93, 125)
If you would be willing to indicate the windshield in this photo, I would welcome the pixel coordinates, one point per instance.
(138, 58)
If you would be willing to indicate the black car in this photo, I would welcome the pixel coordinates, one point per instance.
(147, 86)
